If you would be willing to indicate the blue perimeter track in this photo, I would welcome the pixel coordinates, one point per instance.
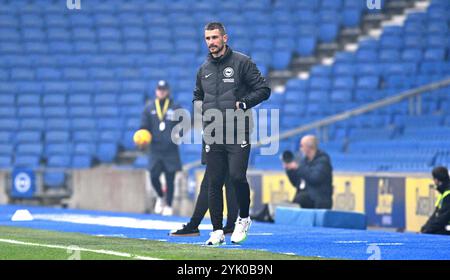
(287, 239)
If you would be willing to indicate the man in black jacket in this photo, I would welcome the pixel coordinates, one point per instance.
(158, 118)
(439, 222)
(227, 81)
(313, 177)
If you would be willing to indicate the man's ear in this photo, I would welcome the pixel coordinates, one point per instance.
(225, 38)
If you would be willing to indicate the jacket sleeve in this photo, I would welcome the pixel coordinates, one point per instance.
(293, 178)
(315, 174)
(146, 121)
(259, 89)
(439, 220)
(198, 90)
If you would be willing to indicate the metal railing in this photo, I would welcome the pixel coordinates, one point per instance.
(414, 95)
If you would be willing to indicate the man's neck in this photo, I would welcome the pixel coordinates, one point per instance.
(221, 53)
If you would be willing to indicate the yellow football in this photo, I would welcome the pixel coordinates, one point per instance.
(142, 137)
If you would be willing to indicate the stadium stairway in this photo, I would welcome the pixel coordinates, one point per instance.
(355, 27)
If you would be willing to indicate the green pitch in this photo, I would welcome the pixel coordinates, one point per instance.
(31, 244)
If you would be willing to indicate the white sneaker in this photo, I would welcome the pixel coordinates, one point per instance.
(167, 211)
(216, 238)
(159, 205)
(241, 228)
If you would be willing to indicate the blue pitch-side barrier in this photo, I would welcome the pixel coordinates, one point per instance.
(320, 218)
(314, 241)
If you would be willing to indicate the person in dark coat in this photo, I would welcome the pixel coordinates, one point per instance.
(158, 118)
(439, 222)
(313, 176)
(228, 81)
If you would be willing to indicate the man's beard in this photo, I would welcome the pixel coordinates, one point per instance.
(218, 50)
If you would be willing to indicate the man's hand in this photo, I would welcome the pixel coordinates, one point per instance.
(291, 165)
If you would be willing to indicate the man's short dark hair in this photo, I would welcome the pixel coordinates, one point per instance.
(216, 25)
(440, 173)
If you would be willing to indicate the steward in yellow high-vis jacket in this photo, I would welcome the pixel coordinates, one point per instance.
(439, 222)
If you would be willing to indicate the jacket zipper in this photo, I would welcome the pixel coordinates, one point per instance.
(217, 85)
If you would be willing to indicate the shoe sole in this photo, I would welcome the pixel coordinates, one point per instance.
(215, 245)
(186, 235)
(240, 242)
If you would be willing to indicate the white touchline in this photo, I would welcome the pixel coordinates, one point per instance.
(105, 252)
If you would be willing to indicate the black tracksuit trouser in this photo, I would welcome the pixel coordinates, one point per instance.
(155, 173)
(232, 158)
(201, 206)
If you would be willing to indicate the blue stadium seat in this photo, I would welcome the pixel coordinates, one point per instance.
(81, 161)
(61, 47)
(55, 112)
(105, 99)
(367, 82)
(8, 124)
(5, 161)
(127, 139)
(81, 112)
(79, 124)
(54, 179)
(413, 54)
(435, 54)
(85, 149)
(6, 149)
(28, 137)
(328, 32)
(341, 96)
(281, 59)
(22, 74)
(29, 149)
(27, 161)
(343, 69)
(59, 161)
(57, 136)
(306, 45)
(56, 87)
(106, 152)
(58, 149)
(344, 82)
(84, 136)
(351, 17)
(111, 136)
(320, 83)
(366, 55)
(48, 74)
(131, 99)
(33, 124)
(7, 111)
(58, 124)
(79, 99)
(106, 111)
(321, 71)
(141, 162)
(6, 137)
